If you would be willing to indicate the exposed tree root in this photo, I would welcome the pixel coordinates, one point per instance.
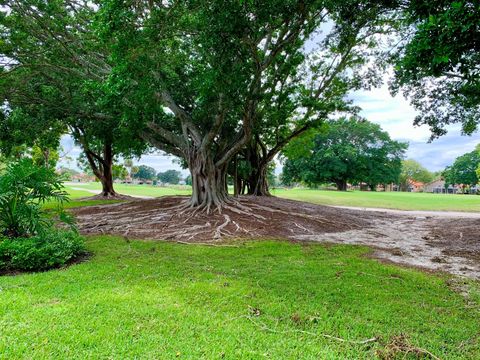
(400, 345)
(174, 218)
(115, 196)
(264, 327)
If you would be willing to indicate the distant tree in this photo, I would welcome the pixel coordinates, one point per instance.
(145, 173)
(438, 66)
(346, 150)
(22, 135)
(188, 180)
(169, 177)
(119, 172)
(45, 156)
(464, 170)
(67, 172)
(478, 168)
(413, 170)
(128, 163)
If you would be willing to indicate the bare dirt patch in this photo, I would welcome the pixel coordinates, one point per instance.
(450, 245)
(252, 217)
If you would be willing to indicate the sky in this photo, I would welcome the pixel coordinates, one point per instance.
(393, 114)
(396, 115)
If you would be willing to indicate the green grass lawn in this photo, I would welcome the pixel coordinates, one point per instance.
(388, 200)
(266, 299)
(136, 190)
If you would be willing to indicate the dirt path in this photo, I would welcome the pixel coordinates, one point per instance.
(449, 244)
(425, 213)
(431, 244)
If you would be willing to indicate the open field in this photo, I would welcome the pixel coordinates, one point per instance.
(137, 299)
(133, 190)
(387, 200)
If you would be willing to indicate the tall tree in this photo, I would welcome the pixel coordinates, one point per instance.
(438, 66)
(169, 177)
(54, 70)
(198, 74)
(145, 172)
(346, 150)
(463, 171)
(413, 170)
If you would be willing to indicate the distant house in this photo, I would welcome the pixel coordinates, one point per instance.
(436, 186)
(127, 180)
(82, 178)
(415, 186)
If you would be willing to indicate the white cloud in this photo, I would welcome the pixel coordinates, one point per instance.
(395, 115)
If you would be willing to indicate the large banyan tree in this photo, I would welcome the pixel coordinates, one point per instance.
(201, 76)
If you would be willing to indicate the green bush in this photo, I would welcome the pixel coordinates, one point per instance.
(54, 248)
(24, 187)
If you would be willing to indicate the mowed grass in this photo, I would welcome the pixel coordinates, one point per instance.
(265, 299)
(387, 200)
(133, 190)
(76, 199)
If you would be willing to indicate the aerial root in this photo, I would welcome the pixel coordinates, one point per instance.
(264, 327)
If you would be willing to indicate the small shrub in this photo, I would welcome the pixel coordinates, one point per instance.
(54, 248)
(24, 187)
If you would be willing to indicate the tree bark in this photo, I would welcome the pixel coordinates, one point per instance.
(235, 176)
(341, 185)
(259, 181)
(102, 168)
(107, 181)
(208, 181)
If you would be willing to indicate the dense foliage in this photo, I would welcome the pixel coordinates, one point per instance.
(413, 170)
(119, 171)
(51, 249)
(170, 177)
(346, 150)
(54, 71)
(464, 170)
(145, 172)
(24, 187)
(29, 239)
(439, 66)
(205, 79)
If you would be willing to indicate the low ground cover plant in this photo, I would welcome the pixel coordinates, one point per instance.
(29, 238)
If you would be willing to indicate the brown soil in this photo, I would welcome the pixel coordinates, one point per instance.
(450, 245)
(464, 232)
(110, 197)
(266, 217)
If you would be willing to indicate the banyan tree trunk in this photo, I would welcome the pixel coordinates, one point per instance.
(209, 188)
(259, 182)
